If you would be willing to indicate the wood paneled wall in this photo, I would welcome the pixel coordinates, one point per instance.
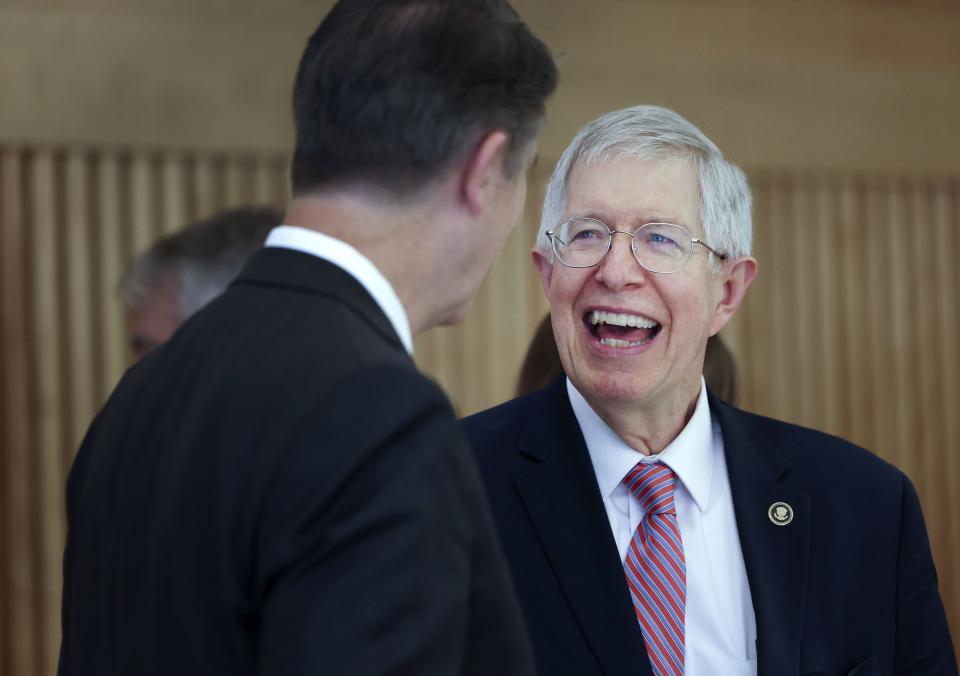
(70, 218)
(851, 328)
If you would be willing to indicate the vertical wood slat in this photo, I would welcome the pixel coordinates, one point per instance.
(826, 264)
(142, 199)
(754, 355)
(19, 619)
(782, 325)
(263, 185)
(803, 313)
(50, 415)
(854, 358)
(79, 301)
(925, 437)
(236, 191)
(946, 216)
(112, 257)
(893, 302)
(204, 187)
(6, 181)
(174, 193)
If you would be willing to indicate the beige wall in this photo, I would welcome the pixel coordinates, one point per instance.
(869, 85)
(120, 120)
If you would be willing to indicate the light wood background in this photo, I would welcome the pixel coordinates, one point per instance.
(124, 119)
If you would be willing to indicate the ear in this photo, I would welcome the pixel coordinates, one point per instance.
(737, 277)
(541, 262)
(483, 170)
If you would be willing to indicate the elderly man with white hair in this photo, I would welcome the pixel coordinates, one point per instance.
(650, 527)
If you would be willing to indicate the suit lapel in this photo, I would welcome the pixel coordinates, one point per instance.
(295, 270)
(776, 556)
(565, 506)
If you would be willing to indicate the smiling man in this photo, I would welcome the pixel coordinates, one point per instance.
(651, 528)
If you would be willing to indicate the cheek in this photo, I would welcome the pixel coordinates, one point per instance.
(564, 287)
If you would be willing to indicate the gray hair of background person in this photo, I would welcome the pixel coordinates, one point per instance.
(654, 133)
(204, 257)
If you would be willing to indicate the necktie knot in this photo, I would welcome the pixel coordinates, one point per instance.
(652, 484)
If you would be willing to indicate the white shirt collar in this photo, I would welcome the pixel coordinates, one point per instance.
(690, 455)
(353, 262)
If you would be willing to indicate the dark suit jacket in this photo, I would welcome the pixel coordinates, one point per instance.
(277, 490)
(848, 587)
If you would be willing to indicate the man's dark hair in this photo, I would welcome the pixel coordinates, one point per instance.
(390, 93)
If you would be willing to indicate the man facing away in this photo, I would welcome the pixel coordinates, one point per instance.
(650, 527)
(183, 271)
(276, 489)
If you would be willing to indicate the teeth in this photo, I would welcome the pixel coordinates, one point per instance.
(599, 317)
(616, 342)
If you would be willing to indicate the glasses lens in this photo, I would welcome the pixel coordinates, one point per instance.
(581, 242)
(662, 247)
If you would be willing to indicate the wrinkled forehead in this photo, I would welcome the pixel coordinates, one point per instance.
(626, 191)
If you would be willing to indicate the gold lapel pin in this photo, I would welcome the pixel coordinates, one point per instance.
(780, 513)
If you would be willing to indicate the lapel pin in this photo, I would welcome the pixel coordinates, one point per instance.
(780, 513)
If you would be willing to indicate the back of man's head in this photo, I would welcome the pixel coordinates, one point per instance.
(390, 93)
(184, 271)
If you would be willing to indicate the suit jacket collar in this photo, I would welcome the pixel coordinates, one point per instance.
(566, 508)
(298, 271)
(776, 556)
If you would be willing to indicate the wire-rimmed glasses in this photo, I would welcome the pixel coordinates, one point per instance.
(658, 247)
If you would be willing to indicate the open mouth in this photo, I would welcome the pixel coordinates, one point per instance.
(620, 330)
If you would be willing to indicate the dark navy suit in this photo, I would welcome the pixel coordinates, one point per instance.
(847, 587)
(277, 490)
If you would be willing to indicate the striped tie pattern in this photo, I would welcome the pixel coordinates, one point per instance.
(655, 568)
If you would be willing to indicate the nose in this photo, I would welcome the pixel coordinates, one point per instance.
(619, 268)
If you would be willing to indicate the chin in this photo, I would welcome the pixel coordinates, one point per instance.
(611, 386)
(457, 315)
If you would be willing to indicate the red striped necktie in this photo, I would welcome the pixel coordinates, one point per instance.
(655, 568)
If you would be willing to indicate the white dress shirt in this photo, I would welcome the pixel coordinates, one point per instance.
(720, 626)
(351, 261)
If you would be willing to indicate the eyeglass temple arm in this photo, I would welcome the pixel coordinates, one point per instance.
(709, 248)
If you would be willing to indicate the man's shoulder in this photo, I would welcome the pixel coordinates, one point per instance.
(502, 420)
(818, 453)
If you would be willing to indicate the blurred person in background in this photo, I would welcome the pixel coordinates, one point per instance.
(183, 271)
(277, 489)
(541, 364)
(650, 527)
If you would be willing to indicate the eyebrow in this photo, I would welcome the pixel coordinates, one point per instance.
(635, 222)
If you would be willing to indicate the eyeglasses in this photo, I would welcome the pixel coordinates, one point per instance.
(658, 247)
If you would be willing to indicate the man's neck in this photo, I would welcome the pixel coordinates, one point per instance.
(647, 427)
(381, 232)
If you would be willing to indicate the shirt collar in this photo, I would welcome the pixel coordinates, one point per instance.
(690, 455)
(353, 262)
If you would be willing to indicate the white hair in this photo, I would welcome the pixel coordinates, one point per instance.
(658, 134)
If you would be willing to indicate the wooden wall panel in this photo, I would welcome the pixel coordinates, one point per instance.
(845, 84)
(20, 528)
(70, 218)
(112, 257)
(850, 327)
(869, 289)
